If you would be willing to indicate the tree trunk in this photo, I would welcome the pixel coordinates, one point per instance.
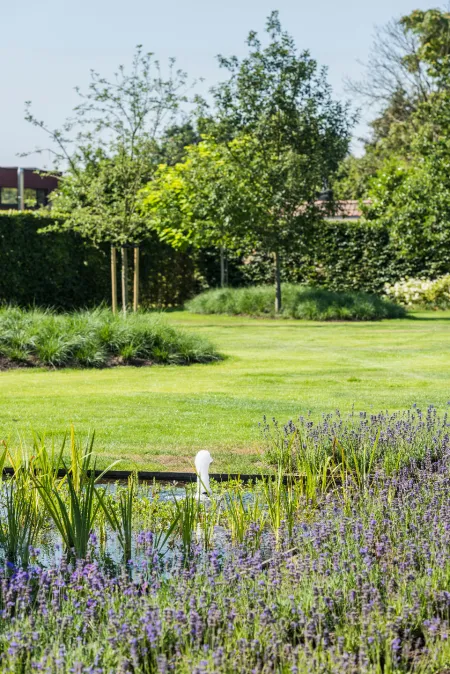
(114, 279)
(124, 280)
(277, 284)
(136, 280)
(222, 267)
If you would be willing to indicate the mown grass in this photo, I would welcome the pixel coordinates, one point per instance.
(96, 339)
(302, 302)
(158, 417)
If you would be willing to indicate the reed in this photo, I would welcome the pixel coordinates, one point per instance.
(121, 521)
(188, 516)
(20, 528)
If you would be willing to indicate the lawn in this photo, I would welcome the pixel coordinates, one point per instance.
(158, 417)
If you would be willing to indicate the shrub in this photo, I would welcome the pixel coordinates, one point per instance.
(95, 339)
(298, 302)
(421, 292)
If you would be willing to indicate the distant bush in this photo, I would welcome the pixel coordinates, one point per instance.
(302, 302)
(95, 339)
(421, 292)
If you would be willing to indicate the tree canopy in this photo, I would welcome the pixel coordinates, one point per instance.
(280, 98)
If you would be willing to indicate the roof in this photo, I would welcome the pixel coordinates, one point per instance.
(33, 178)
(348, 209)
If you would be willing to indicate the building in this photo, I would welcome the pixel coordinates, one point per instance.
(36, 187)
(347, 210)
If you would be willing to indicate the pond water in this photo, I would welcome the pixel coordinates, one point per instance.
(105, 544)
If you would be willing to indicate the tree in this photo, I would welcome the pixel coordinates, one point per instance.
(411, 194)
(207, 200)
(407, 73)
(109, 149)
(391, 135)
(175, 140)
(280, 99)
(431, 29)
(388, 72)
(413, 201)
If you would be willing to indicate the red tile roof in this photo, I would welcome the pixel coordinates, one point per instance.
(345, 210)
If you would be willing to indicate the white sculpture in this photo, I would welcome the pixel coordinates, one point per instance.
(202, 463)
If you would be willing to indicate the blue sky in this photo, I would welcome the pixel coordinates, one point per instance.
(49, 47)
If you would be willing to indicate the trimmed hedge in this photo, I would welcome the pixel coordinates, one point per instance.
(315, 304)
(347, 256)
(66, 272)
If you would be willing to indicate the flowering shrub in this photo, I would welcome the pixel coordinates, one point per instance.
(365, 590)
(359, 443)
(421, 292)
(356, 583)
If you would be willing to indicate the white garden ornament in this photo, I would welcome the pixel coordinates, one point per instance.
(202, 463)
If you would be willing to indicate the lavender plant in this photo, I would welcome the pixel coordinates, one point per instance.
(355, 581)
(365, 592)
(356, 446)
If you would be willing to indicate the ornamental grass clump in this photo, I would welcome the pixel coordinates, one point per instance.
(95, 338)
(301, 302)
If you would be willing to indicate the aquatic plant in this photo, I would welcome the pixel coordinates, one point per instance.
(355, 580)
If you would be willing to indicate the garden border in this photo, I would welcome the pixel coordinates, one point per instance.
(149, 476)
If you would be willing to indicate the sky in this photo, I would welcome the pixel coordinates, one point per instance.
(49, 47)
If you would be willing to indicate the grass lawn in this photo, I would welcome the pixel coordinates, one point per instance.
(158, 417)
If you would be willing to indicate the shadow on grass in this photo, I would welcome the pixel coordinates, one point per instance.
(432, 316)
(280, 321)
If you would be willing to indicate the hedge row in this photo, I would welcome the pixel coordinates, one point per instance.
(64, 271)
(349, 256)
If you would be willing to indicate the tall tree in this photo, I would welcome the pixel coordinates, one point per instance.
(410, 191)
(281, 99)
(431, 29)
(407, 73)
(109, 150)
(388, 73)
(175, 140)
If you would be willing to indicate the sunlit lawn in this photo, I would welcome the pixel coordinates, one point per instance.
(158, 417)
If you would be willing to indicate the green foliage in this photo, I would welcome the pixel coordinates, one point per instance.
(61, 270)
(432, 28)
(20, 527)
(64, 271)
(411, 196)
(95, 338)
(73, 518)
(175, 140)
(407, 76)
(109, 144)
(299, 302)
(279, 99)
(209, 199)
(122, 521)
